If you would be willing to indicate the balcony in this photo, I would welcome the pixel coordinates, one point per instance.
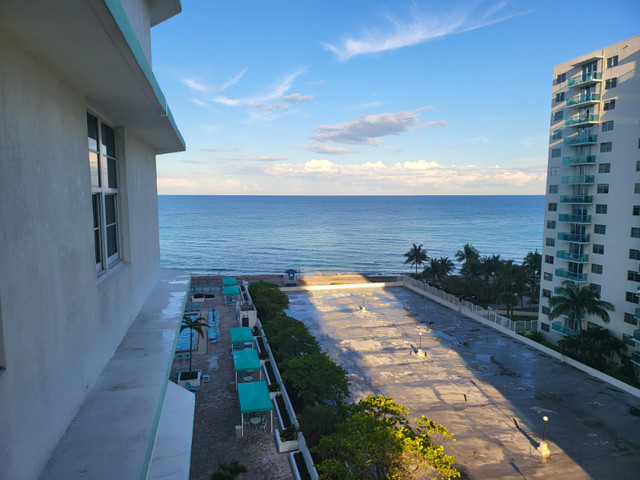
(573, 257)
(636, 333)
(574, 237)
(635, 358)
(569, 218)
(576, 198)
(580, 100)
(578, 180)
(574, 277)
(637, 315)
(594, 77)
(560, 328)
(579, 160)
(581, 140)
(581, 120)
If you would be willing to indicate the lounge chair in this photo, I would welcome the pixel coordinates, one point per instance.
(191, 387)
(205, 378)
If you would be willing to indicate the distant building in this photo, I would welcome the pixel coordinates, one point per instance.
(88, 319)
(592, 218)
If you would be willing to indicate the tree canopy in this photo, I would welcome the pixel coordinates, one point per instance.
(576, 302)
(416, 256)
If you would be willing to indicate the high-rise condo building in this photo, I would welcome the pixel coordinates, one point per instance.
(592, 218)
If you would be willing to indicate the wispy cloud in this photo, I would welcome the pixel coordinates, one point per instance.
(420, 27)
(368, 129)
(233, 80)
(275, 91)
(193, 85)
(324, 148)
(297, 98)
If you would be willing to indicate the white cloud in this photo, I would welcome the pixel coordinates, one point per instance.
(324, 148)
(528, 142)
(175, 182)
(297, 98)
(368, 129)
(482, 139)
(193, 85)
(419, 28)
(233, 80)
(275, 91)
(200, 103)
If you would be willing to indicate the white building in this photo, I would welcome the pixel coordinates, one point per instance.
(88, 319)
(592, 219)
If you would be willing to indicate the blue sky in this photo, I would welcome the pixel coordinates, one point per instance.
(370, 97)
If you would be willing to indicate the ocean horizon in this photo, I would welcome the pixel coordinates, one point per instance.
(252, 234)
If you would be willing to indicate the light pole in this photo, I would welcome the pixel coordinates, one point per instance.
(544, 429)
(421, 340)
(543, 448)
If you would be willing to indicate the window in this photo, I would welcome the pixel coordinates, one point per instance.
(636, 210)
(604, 168)
(634, 254)
(597, 288)
(607, 126)
(546, 293)
(628, 340)
(635, 232)
(595, 268)
(629, 318)
(601, 208)
(606, 147)
(559, 115)
(556, 152)
(544, 326)
(611, 83)
(551, 224)
(638, 165)
(556, 134)
(548, 259)
(633, 276)
(610, 105)
(602, 188)
(612, 61)
(553, 188)
(631, 297)
(553, 207)
(559, 97)
(599, 249)
(561, 78)
(548, 276)
(600, 229)
(636, 188)
(546, 310)
(550, 242)
(105, 194)
(553, 171)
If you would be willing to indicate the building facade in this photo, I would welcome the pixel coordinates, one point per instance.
(88, 319)
(592, 218)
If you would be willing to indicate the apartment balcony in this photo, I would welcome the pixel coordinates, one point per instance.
(574, 237)
(581, 100)
(636, 333)
(587, 79)
(578, 180)
(574, 277)
(569, 218)
(579, 160)
(581, 140)
(573, 257)
(576, 199)
(560, 328)
(635, 358)
(637, 315)
(581, 120)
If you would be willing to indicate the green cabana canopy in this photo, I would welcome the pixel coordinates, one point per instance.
(240, 335)
(246, 360)
(254, 397)
(226, 282)
(233, 290)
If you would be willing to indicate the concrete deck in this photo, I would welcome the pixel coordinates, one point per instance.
(488, 389)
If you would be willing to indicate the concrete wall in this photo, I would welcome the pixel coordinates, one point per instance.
(138, 14)
(60, 324)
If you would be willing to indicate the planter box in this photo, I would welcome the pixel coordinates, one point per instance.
(284, 447)
(195, 382)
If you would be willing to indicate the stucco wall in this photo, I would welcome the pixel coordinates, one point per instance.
(138, 14)
(58, 327)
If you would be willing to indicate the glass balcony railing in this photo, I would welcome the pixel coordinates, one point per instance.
(579, 160)
(560, 328)
(581, 140)
(573, 257)
(582, 99)
(636, 333)
(567, 217)
(574, 237)
(580, 119)
(576, 277)
(576, 198)
(637, 315)
(578, 180)
(585, 79)
(635, 358)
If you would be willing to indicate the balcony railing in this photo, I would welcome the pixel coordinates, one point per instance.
(580, 119)
(574, 257)
(635, 358)
(637, 315)
(576, 198)
(584, 79)
(583, 99)
(578, 180)
(574, 237)
(581, 140)
(636, 334)
(560, 328)
(579, 160)
(576, 277)
(570, 218)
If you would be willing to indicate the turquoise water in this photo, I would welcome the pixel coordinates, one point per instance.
(367, 234)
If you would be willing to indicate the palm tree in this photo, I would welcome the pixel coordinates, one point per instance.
(510, 300)
(533, 265)
(576, 302)
(198, 325)
(468, 253)
(416, 256)
(491, 265)
(438, 269)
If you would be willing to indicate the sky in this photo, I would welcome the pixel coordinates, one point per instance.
(370, 97)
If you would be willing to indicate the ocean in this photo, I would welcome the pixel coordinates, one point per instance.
(234, 235)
